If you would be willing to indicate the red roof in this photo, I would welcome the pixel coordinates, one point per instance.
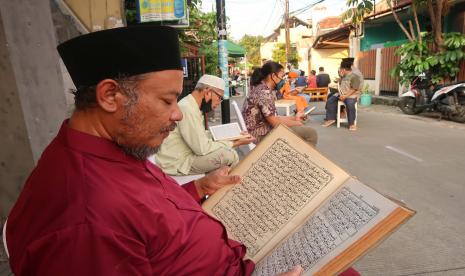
(330, 22)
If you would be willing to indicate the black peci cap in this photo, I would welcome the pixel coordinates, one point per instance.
(349, 60)
(128, 51)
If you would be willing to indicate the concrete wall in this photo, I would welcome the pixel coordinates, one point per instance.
(266, 50)
(32, 88)
(16, 154)
(67, 26)
(66, 23)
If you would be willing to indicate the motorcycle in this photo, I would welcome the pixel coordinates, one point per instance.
(448, 99)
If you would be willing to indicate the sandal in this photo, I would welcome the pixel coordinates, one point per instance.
(328, 123)
(353, 128)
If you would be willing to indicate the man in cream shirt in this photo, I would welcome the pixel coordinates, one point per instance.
(189, 149)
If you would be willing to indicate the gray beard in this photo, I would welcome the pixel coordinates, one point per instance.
(140, 152)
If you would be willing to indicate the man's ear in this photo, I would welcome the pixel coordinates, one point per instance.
(207, 94)
(108, 95)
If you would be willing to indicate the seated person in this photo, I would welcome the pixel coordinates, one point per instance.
(349, 90)
(322, 79)
(301, 80)
(259, 110)
(94, 204)
(301, 84)
(189, 149)
(290, 92)
(312, 79)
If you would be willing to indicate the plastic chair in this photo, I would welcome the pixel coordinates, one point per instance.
(4, 239)
(181, 179)
(241, 121)
(340, 120)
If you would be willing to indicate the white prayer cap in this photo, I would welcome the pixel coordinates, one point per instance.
(212, 81)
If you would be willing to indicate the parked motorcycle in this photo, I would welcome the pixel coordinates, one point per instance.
(448, 99)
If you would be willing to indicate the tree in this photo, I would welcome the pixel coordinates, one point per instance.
(441, 59)
(203, 33)
(211, 58)
(252, 46)
(279, 55)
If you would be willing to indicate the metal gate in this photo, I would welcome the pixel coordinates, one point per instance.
(367, 64)
(389, 85)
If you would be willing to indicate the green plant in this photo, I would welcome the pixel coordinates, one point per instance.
(357, 11)
(211, 57)
(252, 47)
(366, 90)
(418, 56)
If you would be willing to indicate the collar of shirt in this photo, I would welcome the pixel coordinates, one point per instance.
(92, 145)
(190, 100)
(106, 149)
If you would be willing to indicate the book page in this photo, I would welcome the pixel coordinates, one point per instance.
(342, 220)
(239, 115)
(226, 132)
(282, 181)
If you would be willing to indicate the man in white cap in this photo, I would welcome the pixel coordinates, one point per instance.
(189, 149)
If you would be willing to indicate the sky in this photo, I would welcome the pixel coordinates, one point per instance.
(261, 17)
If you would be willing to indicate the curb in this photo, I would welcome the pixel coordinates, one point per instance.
(382, 100)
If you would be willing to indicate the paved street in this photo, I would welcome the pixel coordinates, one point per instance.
(418, 160)
(415, 159)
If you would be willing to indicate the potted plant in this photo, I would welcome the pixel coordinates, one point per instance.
(365, 97)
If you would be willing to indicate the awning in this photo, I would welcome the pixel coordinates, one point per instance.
(234, 50)
(338, 38)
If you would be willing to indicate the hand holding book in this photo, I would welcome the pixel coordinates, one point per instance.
(244, 140)
(294, 207)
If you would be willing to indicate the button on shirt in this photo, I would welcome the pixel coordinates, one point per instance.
(89, 209)
(188, 140)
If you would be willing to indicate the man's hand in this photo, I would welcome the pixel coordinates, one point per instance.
(342, 98)
(296, 271)
(215, 180)
(244, 141)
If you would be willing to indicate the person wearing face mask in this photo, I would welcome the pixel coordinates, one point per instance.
(259, 110)
(189, 149)
(291, 92)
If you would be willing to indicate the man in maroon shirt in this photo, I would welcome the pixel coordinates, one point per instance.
(94, 205)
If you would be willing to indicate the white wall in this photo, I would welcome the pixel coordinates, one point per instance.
(266, 50)
(330, 59)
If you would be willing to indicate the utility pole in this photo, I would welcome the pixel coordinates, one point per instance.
(286, 27)
(223, 58)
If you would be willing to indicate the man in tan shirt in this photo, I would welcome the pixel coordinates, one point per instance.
(189, 149)
(348, 93)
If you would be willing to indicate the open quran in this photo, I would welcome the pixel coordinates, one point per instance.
(227, 132)
(295, 207)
